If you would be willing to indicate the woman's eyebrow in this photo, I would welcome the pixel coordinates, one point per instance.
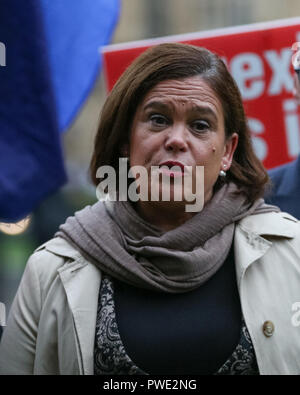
(205, 110)
(201, 110)
(156, 104)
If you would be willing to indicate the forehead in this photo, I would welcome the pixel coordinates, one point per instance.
(189, 91)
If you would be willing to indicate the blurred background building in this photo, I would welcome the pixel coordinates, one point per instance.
(140, 19)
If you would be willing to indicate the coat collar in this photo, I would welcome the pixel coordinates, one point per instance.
(253, 237)
(279, 224)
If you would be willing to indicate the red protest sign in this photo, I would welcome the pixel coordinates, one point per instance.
(259, 58)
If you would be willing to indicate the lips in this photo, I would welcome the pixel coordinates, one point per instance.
(169, 172)
(171, 163)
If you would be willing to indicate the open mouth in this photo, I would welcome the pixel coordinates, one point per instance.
(172, 169)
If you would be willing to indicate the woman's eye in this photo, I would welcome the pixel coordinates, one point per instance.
(199, 126)
(158, 120)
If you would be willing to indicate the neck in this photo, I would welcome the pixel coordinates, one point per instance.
(163, 215)
(166, 215)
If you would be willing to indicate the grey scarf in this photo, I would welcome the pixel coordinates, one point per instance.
(119, 242)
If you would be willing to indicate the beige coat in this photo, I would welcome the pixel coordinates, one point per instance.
(51, 325)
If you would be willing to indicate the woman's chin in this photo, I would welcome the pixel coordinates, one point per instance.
(170, 205)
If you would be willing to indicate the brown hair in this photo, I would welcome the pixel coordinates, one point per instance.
(177, 61)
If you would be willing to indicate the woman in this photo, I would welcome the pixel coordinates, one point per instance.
(147, 286)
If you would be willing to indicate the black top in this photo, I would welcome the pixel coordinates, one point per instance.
(190, 333)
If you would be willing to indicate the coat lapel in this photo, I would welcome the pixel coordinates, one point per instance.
(81, 281)
(248, 248)
(253, 235)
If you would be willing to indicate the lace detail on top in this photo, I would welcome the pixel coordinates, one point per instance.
(243, 359)
(110, 356)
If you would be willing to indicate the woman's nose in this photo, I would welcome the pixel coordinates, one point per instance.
(176, 139)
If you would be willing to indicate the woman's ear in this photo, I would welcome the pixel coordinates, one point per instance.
(230, 147)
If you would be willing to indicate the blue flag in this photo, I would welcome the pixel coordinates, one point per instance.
(49, 60)
(75, 30)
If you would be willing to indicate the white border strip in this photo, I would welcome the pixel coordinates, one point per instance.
(203, 34)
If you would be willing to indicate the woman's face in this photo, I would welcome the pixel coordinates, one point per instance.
(182, 121)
